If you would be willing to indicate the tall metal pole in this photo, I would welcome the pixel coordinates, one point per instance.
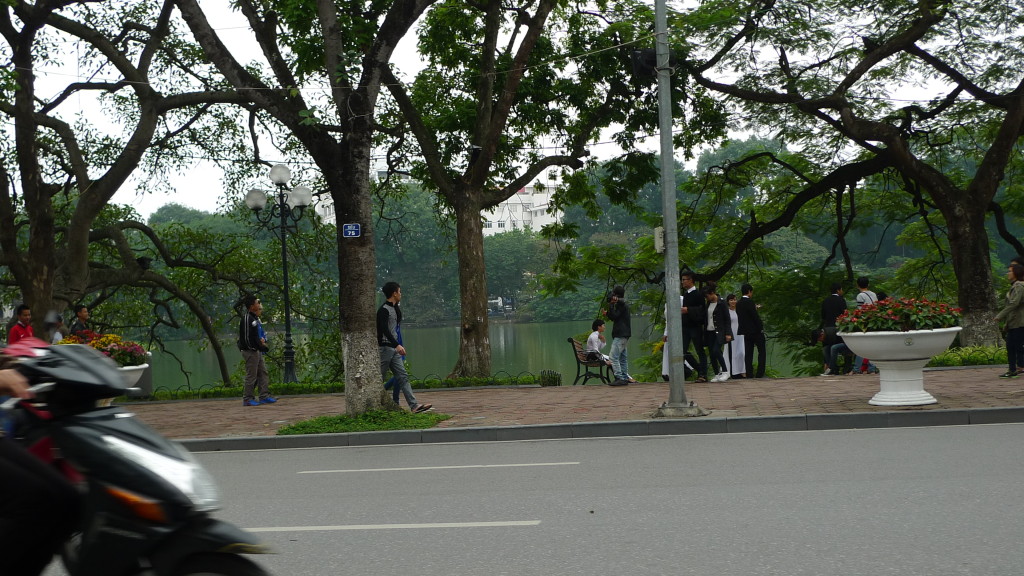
(677, 404)
(289, 352)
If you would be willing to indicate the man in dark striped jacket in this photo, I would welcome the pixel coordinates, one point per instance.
(253, 346)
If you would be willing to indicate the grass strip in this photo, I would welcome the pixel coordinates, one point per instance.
(368, 422)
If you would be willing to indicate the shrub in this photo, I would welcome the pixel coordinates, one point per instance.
(368, 422)
(124, 352)
(970, 356)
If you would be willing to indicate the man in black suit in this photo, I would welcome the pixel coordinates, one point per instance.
(752, 329)
(694, 318)
(831, 308)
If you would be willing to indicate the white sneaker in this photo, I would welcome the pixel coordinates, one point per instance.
(827, 372)
(723, 376)
(717, 378)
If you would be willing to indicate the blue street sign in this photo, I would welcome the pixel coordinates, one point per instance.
(351, 231)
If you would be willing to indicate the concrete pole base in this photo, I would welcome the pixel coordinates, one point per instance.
(680, 411)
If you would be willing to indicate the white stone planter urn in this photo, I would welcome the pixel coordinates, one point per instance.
(900, 358)
(132, 374)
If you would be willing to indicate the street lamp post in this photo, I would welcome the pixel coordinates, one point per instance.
(284, 214)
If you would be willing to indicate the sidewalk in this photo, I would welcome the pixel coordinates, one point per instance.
(965, 395)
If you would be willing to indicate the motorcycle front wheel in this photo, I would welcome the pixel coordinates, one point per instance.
(218, 565)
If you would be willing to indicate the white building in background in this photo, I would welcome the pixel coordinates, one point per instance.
(526, 209)
(325, 209)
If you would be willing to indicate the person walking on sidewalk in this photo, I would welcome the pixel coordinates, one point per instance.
(253, 346)
(694, 319)
(718, 333)
(752, 330)
(622, 330)
(389, 320)
(1012, 319)
(1018, 259)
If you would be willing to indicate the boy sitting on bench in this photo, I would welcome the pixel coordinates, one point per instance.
(596, 341)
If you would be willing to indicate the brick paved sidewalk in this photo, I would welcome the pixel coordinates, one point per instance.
(953, 388)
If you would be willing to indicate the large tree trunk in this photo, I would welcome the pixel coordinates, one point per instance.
(474, 341)
(364, 389)
(37, 278)
(968, 245)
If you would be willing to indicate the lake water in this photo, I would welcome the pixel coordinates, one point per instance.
(516, 349)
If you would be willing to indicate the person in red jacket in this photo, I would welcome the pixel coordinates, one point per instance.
(23, 327)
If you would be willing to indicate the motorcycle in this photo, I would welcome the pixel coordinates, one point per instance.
(146, 501)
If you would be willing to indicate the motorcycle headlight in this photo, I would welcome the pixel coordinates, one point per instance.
(187, 475)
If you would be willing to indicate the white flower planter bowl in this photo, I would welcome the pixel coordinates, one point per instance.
(132, 374)
(901, 358)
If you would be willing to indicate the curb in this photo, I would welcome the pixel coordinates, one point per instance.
(656, 427)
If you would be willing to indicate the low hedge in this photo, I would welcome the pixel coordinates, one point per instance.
(970, 356)
(298, 388)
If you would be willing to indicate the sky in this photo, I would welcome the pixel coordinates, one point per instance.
(201, 187)
(210, 193)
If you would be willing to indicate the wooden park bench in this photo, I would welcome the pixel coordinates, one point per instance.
(583, 365)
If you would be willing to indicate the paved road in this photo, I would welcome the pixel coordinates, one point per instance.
(929, 501)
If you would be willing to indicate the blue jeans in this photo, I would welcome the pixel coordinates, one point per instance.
(836, 350)
(392, 360)
(620, 362)
(859, 361)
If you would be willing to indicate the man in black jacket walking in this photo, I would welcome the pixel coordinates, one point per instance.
(694, 319)
(752, 330)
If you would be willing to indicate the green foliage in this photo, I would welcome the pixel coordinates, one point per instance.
(513, 258)
(413, 243)
(970, 356)
(466, 382)
(550, 378)
(336, 387)
(367, 422)
(582, 304)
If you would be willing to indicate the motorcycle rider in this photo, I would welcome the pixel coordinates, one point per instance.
(38, 507)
